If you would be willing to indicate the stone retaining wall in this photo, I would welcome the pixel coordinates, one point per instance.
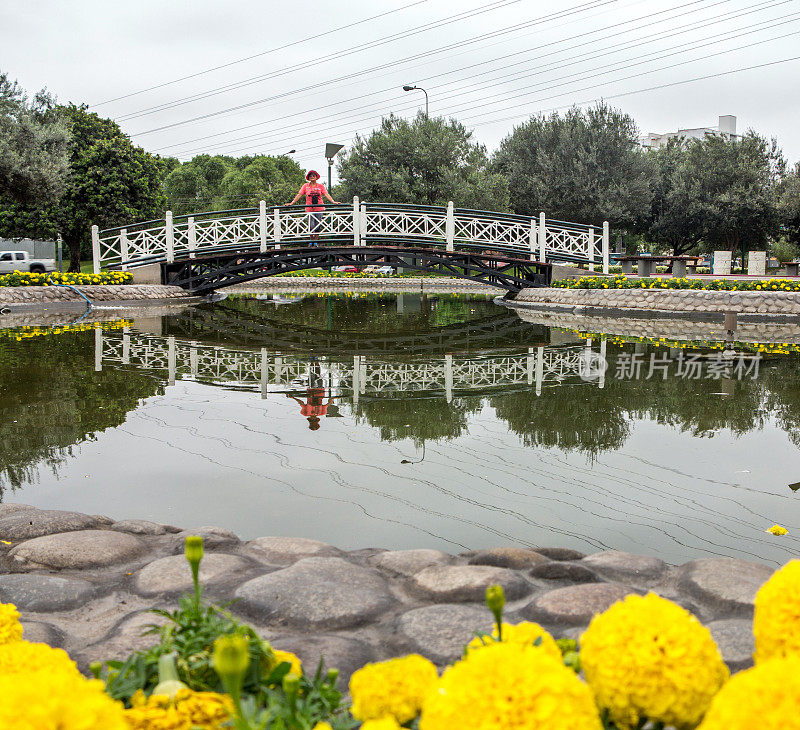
(84, 582)
(668, 300)
(10, 295)
(316, 283)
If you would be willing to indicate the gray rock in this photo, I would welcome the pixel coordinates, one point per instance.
(409, 562)
(32, 592)
(557, 570)
(326, 593)
(508, 557)
(142, 527)
(213, 538)
(76, 550)
(9, 509)
(338, 652)
(447, 583)
(440, 632)
(41, 632)
(728, 585)
(557, 553)
(173, 575)
(27, 524)
(574, 604)
(627, 567)
(288, 550)
(734, 637)
(125, 638)
(103, 520)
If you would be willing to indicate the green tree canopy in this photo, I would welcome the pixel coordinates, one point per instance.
(428, 161)
(789, 206)
(585, 167)
(34, 145)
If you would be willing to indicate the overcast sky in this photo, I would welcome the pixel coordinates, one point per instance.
(490, 63)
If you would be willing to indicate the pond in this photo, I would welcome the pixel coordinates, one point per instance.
(406, 421)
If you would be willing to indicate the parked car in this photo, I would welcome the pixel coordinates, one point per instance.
(21, 261)
(347, 269)
(384, 270)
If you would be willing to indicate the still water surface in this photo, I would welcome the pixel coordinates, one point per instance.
(401, 422)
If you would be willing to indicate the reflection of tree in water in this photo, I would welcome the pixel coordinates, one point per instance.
(584, 418)
(401, 416)
(52, 399)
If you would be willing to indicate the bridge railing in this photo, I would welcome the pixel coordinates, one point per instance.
(275, 227)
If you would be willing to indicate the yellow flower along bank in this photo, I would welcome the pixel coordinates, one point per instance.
(648, 658)
(24, 278)
(10, 627)
(623, 282)
(776, 623)
(28, 332)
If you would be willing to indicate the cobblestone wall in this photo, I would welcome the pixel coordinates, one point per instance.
(109, 293)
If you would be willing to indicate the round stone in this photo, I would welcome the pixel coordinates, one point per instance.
(32, 592)
(142, 527)
(447, 583)
(574, 604)
(557, 553)
(409, 562)
(76, 550)
(317, 593)
(288, 550)
(734, 637)
(440, 632)
(26, 524)
(41, 632)
(508, 557)
(173, 574)
(8, 509)
(213, 538)
(727, 585)
(346, 655)
(556, 570)
(125, 638)
(628, 567)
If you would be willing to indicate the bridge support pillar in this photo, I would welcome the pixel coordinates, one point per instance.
(262, 226)
(448, 378)
(171, 361)
(542, 238)
(450, 225)
(98, 349)
(606, 246)
(539, 369)
(264, 372)
(191, 237)
(170, 238)
(95, 249)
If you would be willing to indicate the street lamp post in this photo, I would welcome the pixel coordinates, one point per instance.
(331, 150)
(419, 88)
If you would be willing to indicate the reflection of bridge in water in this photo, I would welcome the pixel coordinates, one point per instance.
(537, 367)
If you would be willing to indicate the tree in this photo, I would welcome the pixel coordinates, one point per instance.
(731, 189)
(34, 145)
(111, 182)
(583, 166)
(428, 161)
(789, 206)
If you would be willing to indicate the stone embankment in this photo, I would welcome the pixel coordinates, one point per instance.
(85, 582)
(694, 303)
(302, 284)
(18, 297)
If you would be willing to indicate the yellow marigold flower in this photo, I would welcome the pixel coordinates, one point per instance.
(523, 633)
(22, 657)
(777, 530)
(385, 723)
(47, 700)
(186, 711)
(10, 627)
(397, 687)
(287, 656)
(646, 657)
(765, 697)
(776, 623)
(509, 686)
(322, 726)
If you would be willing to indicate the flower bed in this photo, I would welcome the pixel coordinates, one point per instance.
(623, 282)
(644, 663)
(24, 278)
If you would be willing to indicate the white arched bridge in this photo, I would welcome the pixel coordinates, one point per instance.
(204, 252)
(539, 366)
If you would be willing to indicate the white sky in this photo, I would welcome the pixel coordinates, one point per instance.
(568, 52)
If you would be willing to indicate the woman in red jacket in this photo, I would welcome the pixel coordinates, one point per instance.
(314, 191)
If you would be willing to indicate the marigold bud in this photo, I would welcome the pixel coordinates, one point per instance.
(332, 676)
(291, 684)
(193, 549)
(495, 599)
(231, 656)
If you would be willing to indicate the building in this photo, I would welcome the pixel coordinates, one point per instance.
(725, 127)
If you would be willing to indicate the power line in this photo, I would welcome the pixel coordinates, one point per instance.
(258, 55)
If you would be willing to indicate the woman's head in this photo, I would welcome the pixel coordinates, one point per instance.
(312, 176)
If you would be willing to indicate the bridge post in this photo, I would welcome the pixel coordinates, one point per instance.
(356, 221)
(539, 369)
(532, 239)
(170, 238)
(590, 247)
(191, 237)
(606, 246)
(529, 363)
(450, 225)
(171, 362)
(262, 226)
(98, 349)
(123, 248)
(276, 227)
(95, 249)
(604, 365)
(362, 225)
(264, 372)
(194, 359)
(126, 346)
(542, 238)
(448, 378)
(356, 374)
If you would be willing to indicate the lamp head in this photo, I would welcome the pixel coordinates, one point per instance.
(332, 149)
(409, 88)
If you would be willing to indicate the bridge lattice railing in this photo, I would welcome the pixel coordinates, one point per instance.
(451, 228)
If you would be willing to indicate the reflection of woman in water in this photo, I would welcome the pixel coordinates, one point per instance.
(315, 395)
